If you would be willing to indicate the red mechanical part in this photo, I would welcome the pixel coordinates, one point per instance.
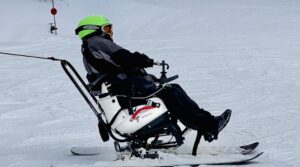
(135, 114)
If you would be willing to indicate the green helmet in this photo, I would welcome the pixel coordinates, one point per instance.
(91, 24)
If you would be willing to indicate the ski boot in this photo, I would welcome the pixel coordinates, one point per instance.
(222, 121)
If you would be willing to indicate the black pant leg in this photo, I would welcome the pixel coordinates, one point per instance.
(185, 109)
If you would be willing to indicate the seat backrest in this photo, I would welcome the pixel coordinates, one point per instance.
(95, 87)
(109, 104)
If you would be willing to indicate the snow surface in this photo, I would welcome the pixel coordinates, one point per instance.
(238, 54)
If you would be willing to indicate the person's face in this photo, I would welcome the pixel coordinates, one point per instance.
(108, 29)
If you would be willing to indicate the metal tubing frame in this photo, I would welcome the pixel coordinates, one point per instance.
(65, 65)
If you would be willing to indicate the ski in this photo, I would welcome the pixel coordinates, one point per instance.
(215, 156)
(237, 162)
(90, 151)
(170, 160)
(241, 161)
(244, 150)
(217, 150)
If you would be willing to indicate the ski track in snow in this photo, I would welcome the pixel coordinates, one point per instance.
(242, 55)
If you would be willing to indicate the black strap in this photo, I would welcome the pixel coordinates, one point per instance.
(30, 56)
(115, 117)
(103, 95)
(197, 141)
(87, 27)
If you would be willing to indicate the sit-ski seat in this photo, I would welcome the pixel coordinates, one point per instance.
(121, 119)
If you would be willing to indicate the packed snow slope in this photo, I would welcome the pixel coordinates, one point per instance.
(237, 54)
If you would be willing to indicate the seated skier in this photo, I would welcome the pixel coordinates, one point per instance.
(103, 57)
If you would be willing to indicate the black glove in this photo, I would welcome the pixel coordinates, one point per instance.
(143, 60)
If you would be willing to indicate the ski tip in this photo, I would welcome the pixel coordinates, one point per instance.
(250, 159)
(73, 152)
(82, 154)
(238, 162)
(261, 153)
(250, 146)
(79, 151)
(257, 155)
